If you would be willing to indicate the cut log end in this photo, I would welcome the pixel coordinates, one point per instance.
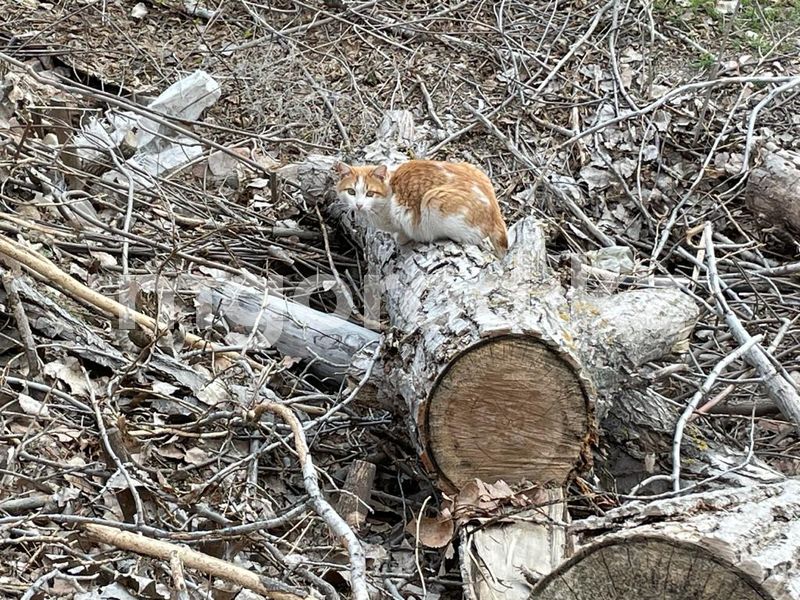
(509, 408)
(648, 567)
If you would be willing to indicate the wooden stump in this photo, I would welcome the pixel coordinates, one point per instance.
(738, 544)
(500, 559)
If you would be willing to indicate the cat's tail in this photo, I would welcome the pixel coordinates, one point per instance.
(499, 238)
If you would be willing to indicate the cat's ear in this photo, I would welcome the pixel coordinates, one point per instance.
(342, 169)
(380, 172)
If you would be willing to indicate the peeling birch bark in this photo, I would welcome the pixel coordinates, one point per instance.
(505, 559)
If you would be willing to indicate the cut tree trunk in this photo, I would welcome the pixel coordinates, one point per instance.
(500, 368)
(502, 372)
(772, 191)
(738, 544)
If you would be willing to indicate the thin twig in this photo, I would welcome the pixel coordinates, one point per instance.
(193, 559)
(23, 326)
(777, 386)
(701, 393)
(751, 123)
(358, 565)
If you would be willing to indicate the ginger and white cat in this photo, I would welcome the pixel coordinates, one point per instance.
(425, 201)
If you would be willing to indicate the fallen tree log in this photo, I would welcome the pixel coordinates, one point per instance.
(738, 544)
(480, 344)
(502, 372)
(772, 191)
(638, 426)
(498, 368)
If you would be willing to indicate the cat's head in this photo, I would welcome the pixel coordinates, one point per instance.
(363, 188)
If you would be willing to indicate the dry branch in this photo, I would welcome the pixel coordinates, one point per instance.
(47, 270)
(23, 325)
(194, 560)
(338, 526)
(778, 386)
(327, 341)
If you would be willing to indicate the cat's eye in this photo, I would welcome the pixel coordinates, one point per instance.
(350, 191)
(370, 194)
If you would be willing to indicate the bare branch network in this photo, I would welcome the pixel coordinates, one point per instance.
(217, 382)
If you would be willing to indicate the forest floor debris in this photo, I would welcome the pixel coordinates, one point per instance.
(625, 127)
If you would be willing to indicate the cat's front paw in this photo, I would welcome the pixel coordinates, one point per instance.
(401, 238)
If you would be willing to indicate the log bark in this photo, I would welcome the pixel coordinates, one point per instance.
(504, 558)
(499, 366)
(738, 544)
(772, 191)
(637, 437)
(327, 342)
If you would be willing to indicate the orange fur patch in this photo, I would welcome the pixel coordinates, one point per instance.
(431, 187)
(450, 189)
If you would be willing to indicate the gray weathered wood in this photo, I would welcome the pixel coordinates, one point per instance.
(773, 190)
(354, 498)
(326, 341)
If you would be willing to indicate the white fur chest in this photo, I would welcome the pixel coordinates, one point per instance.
(402, 219)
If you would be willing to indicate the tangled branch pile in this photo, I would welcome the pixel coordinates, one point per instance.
(145, 155)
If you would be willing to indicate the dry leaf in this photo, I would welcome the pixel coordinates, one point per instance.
(31, 406)
(213, 393)
(169, 451)
(139, 11)
(196, 456)
(434, 532)
(68, 371)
